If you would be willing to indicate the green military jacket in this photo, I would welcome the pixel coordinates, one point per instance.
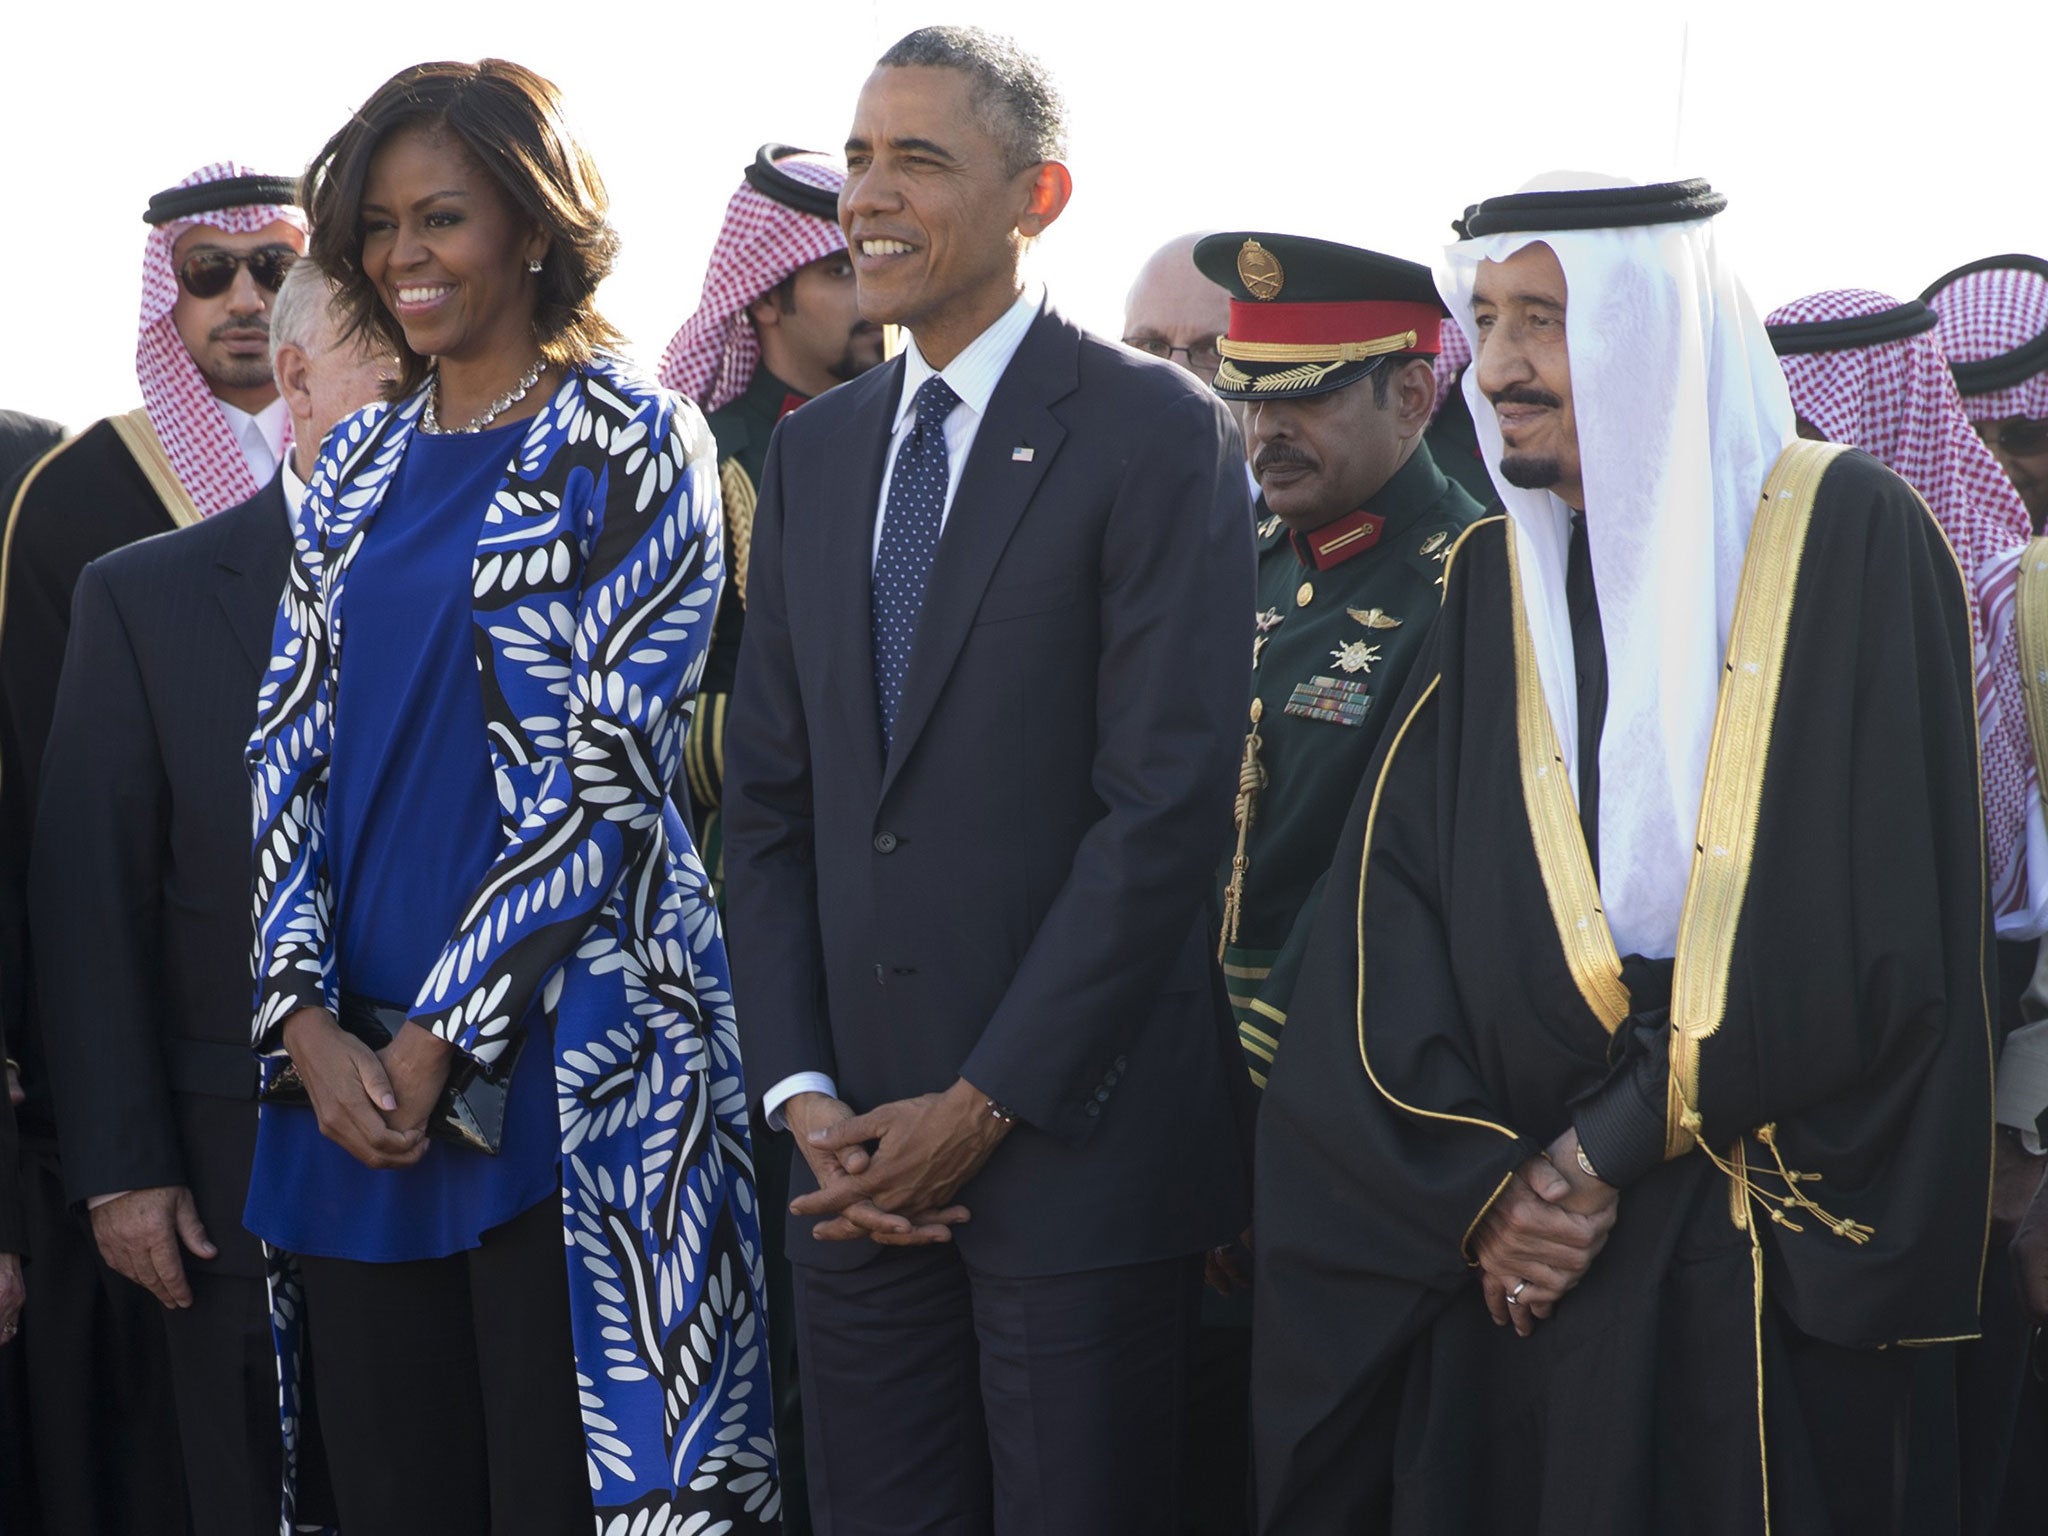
(742, 427)
(1341, 615)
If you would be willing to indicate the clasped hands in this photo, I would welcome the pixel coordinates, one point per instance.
(1542, 1235)
(372, 1104)
(900, 1193)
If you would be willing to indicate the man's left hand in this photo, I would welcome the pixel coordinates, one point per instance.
(926, 1149)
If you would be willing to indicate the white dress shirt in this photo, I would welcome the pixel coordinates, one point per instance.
(294, 490)
(973, 376)
(260, 437)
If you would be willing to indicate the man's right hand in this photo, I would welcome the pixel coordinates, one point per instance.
(350, 1092)
(805, 1113)
(139, 1234)
(1530, 1241)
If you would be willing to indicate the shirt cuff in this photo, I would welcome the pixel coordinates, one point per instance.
(99, 1200)
(789, 1088)
(2022, 1079)
(1620, 1127)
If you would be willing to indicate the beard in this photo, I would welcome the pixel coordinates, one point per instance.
(863, 351)
(1531, 471)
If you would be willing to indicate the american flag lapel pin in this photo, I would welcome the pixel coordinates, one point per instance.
(1020, 455)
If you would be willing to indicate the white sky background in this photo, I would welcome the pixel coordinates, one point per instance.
(1854, 153)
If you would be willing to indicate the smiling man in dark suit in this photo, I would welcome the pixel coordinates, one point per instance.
(139, 876)
(992, 675)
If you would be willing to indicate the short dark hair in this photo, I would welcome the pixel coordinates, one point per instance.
(511, 121)
(1013, 93)
(1383, 376)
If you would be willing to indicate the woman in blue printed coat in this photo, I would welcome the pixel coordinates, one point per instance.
(474, 895)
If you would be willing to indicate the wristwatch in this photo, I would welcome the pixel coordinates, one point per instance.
(1586, 1164)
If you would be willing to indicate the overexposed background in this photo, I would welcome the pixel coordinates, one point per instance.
(1854, 154)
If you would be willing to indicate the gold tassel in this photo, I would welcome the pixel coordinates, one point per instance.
(1251, 779)
(1774, 1205)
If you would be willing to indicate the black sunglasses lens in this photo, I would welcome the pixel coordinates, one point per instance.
(207, 274)
(268, 267)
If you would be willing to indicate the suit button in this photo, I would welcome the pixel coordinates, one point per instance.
(1091, 1109)
(1122, 1062)
(1102, 1095)
(885, 842)
(1110, 1078)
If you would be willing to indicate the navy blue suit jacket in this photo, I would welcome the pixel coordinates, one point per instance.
(141, 866)
(1018, 893)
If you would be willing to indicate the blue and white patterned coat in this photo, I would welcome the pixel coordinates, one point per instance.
(595, 580)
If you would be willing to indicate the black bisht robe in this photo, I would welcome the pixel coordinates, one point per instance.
(1441, 1033)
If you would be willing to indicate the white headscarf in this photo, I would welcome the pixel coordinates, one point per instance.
(1681, 412)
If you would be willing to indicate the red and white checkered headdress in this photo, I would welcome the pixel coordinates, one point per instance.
(1450, 362)
(1989, 310)
(180, 403)
(764, 239)
(1896, 400)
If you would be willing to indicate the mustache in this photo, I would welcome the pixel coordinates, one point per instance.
(1274, 455)
(1525, 394)
(239, 325)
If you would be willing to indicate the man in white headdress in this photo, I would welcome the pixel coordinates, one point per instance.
(1637, 1093)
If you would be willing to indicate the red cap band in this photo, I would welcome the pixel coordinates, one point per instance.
(1328, 324)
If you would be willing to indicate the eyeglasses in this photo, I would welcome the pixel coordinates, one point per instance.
(2020, 436)
(1203, 358)
(208, 274)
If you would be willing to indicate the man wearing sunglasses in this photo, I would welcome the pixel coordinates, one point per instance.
(209, 435)
(1994, 328)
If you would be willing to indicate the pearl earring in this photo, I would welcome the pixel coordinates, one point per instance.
(533, 266)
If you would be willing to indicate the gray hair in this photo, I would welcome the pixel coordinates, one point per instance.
(299, 308)
(1012, 93)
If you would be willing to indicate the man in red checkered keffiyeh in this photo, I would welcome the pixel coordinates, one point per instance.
(782, 219)
(1994, 328)
(779, 323)
(203, 361)
(1868, 371)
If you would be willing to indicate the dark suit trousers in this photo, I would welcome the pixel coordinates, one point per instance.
(447, 1388)
(224, 1373)
(942, 1401)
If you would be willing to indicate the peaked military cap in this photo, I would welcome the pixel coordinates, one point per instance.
(1309, 316)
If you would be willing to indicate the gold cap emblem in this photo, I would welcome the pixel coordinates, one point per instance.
(1260, 269)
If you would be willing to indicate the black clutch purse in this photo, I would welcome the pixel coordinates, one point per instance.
(471, 1109)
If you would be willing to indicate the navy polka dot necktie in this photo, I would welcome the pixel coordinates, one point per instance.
(910, 537)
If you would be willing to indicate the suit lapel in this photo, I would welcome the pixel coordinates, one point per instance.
(251, 578)
(846, 557)
(994, 490)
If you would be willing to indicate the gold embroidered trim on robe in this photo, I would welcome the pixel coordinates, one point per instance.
(737, 492)
(1736, 758)
(1560, 841)
(139, 437)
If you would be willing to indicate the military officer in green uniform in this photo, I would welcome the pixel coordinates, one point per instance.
(1329, 352)
(1329, 356)
(778, 324)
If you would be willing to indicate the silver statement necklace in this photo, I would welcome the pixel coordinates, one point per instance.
(430, 420)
